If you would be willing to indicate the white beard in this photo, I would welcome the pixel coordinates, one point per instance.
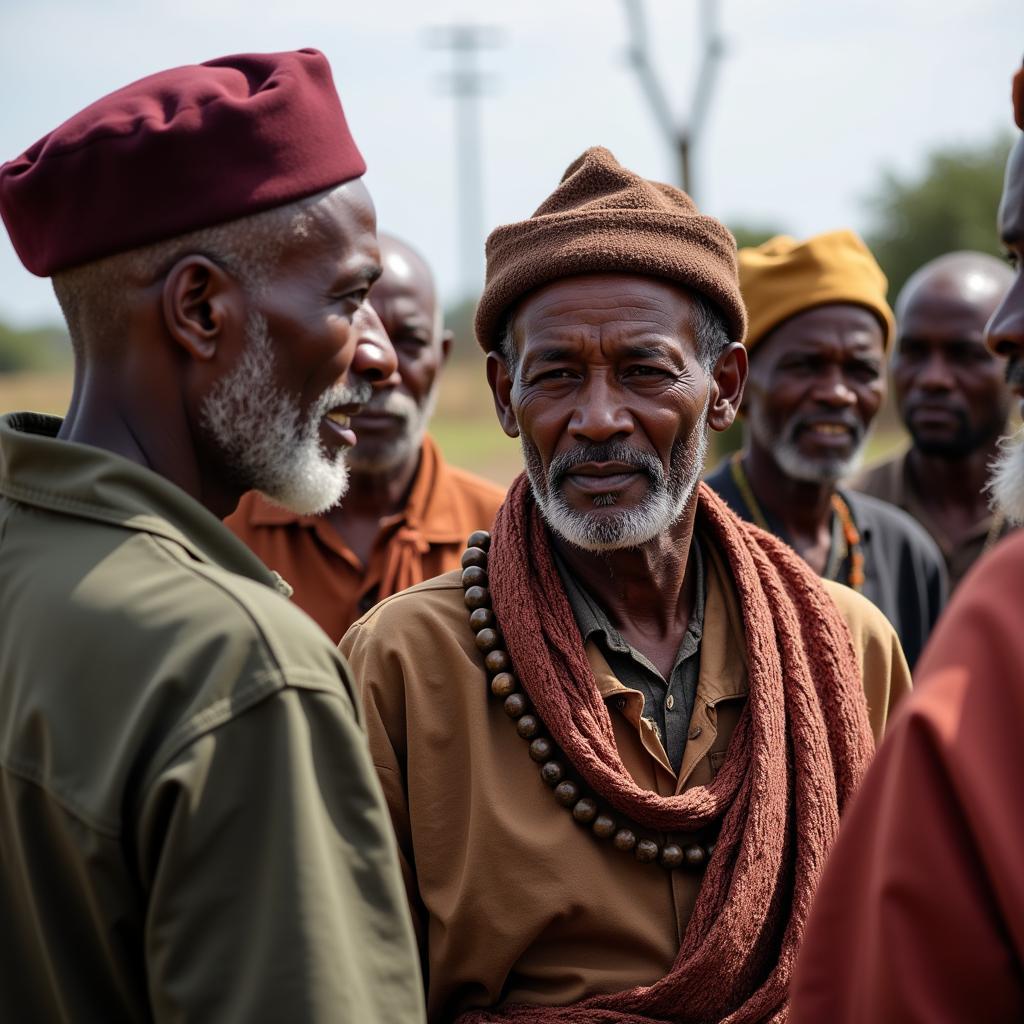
(261, 434)
(793, 462)
(1006, 479)
(626, 528)
(371, 457)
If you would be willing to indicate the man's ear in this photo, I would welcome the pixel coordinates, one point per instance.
(202, 306)
(501, 382)
(727, 382)
(447, 337)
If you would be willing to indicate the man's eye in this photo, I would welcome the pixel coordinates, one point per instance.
(560, 374)
(354, 298)
(645, 371)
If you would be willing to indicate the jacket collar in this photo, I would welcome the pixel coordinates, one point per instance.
(79, 480)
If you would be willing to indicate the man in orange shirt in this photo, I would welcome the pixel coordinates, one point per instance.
(407, 513)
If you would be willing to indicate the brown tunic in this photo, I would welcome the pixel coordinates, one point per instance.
(330, 583)
(512, 902)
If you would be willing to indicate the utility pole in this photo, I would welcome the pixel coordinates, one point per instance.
(683, 138)
(467, 84)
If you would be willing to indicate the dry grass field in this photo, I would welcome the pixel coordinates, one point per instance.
(464, 425)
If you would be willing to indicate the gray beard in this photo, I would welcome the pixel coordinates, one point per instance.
(1006, 478)
(373, 458)
(660, 509)
(262, 437)
(793, 462)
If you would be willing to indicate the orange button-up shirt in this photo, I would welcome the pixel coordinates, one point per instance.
(426, 539)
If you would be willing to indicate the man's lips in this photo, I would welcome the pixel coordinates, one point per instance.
(939, 415)
(603, 477)
(374, 419)
(828, 433)
(338, 424)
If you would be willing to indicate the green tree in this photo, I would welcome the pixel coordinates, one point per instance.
(950, 205)
(40, 348)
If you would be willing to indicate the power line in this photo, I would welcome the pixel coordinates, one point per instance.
(467, 83)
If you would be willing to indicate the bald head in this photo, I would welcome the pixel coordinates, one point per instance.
(950, 389)
(391, 428)
(972, 283)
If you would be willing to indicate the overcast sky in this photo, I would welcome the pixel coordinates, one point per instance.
(813, 98)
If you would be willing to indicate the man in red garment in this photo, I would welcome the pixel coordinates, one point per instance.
(920, 915)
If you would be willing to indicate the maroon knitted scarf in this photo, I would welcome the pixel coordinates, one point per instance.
(798, 753)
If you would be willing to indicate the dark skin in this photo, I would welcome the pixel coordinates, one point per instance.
(950, 389)
(612, 357)
(406, 302)
(187, 330)
(1005, 332)
(817, 370)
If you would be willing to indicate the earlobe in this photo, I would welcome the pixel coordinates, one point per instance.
(447, 338)
(728, 380)
(201, 305)
(501, 388)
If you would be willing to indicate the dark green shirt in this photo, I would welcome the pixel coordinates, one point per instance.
(191, 828)
(667, 705)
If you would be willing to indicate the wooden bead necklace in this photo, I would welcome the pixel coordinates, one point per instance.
(505, 687)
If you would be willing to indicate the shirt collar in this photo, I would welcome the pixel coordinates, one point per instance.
(91, 483)
(592, 619)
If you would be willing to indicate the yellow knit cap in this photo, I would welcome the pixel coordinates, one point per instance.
(784, 277)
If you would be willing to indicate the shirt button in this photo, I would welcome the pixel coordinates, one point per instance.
(620, 702)
(695, 732)
(670, 703)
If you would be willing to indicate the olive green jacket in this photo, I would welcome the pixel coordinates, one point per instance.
(190, 825)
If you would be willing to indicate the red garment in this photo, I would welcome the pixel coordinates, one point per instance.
(920, 915)
(425, 540)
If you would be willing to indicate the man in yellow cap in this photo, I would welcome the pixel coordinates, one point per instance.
(819, 331)
(920, 916)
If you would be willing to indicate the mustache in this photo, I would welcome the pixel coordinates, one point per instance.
(849, 421)
(392, 403)
(614, 451)
(359, 393)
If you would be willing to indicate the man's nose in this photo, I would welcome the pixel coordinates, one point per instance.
(599, 414)
(934, 374)
(374, 360)
(833, 389)
(1004, 333)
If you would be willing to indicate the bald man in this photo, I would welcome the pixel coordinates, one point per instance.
(953, 400)
(407, 514)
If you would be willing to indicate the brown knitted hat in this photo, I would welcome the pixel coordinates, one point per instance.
(603, 218)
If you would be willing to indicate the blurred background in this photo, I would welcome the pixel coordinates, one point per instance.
(797, 117)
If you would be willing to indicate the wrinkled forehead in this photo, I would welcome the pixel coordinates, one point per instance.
(594, 304)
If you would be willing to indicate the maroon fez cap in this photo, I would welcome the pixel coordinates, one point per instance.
(177, 151)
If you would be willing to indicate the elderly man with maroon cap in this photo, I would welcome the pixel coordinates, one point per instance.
(190, 826)
(617, 745)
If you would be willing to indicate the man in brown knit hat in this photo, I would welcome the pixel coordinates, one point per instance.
(819, 330)
(616, 747)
